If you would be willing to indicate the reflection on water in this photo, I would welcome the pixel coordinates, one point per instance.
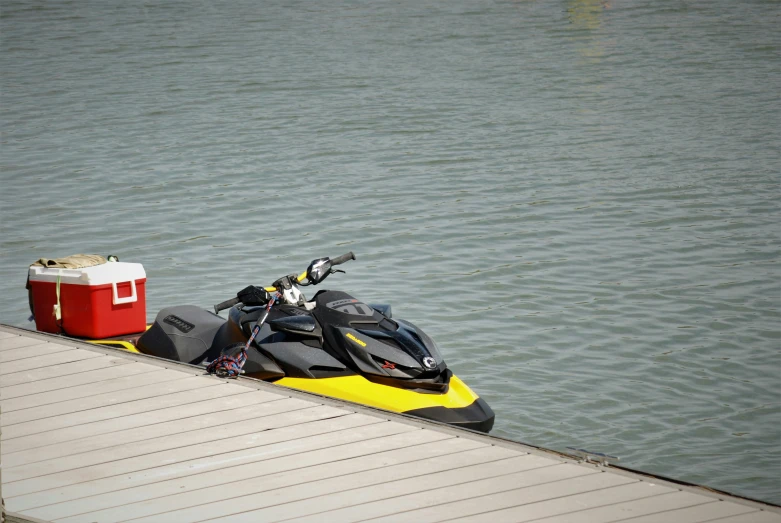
(587, 15)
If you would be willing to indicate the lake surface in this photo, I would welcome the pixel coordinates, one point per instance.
(579, 200)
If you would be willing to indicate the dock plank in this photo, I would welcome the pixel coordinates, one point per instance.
(752, 517)
(697, 513)
(349, 500)
(72, 386)
(49, 360)
(165, 394)
(210, 400)
(566, 505)
(15, 342)
(33, 375)
(444, 510)
(23, 353)
(225, 502)
(252, 478)
(286, 412)
(387, 499)
(268, 445)
(250, 406)
(103, 394)
(634, 508)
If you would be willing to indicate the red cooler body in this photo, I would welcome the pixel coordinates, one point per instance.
(94, 302)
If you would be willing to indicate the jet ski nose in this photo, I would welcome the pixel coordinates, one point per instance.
(477, 416)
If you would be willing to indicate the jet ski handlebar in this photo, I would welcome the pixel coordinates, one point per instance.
(317, 271)
(343, 258)
(226, 305)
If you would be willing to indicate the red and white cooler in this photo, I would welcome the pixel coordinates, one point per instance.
(102, 301)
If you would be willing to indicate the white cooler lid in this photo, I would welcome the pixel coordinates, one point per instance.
(111, 272)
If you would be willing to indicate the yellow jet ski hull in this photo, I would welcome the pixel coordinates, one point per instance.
(458, 406)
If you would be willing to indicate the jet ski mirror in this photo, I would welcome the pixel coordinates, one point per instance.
(318, 270)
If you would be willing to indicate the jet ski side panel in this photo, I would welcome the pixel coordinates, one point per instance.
(459, 406)
(300, 361)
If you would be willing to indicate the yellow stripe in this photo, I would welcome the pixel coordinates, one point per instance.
(360, 390)
(121, 344)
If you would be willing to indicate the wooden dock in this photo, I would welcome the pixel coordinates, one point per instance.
(95, 434)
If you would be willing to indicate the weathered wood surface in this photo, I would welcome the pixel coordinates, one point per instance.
(94, 434)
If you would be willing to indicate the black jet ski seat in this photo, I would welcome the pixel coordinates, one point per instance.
(183, 333)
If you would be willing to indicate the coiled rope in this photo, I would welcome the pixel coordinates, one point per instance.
(227, 366)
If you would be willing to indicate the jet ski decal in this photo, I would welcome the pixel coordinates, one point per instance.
(356, 340)
(351, 306)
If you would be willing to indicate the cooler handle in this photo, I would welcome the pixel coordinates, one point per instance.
(116, 300)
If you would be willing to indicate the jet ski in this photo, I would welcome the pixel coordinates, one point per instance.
(334, 345)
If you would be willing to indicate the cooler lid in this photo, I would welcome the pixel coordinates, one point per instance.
(111, 272)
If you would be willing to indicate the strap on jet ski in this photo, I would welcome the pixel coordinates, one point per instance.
(227, 366)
